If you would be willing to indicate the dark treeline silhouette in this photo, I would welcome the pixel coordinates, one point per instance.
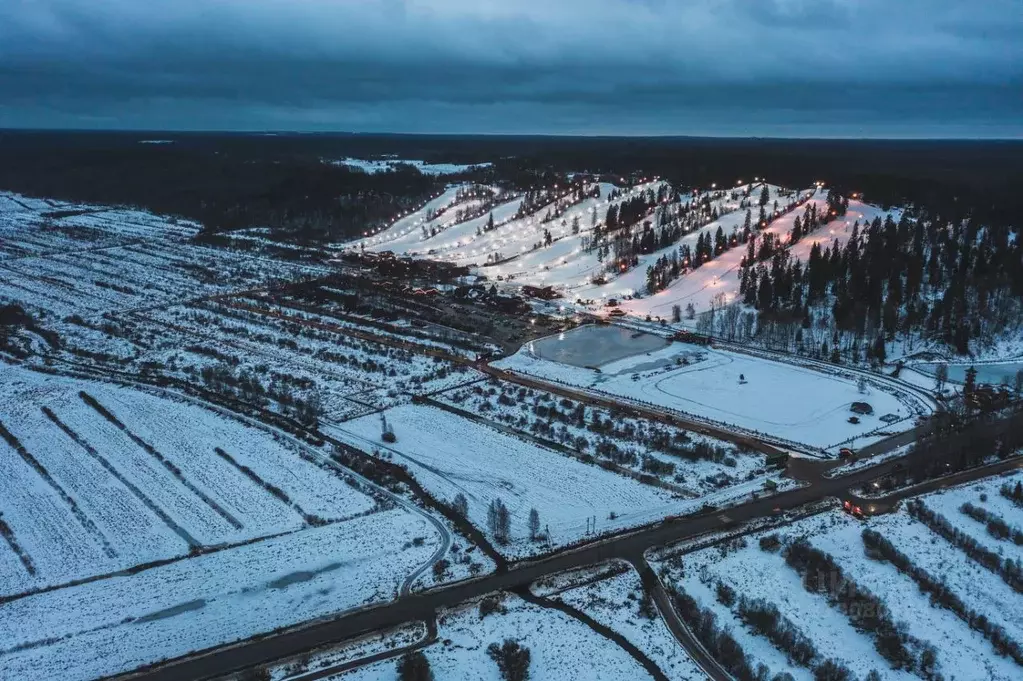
(297, 195)
(232, 180)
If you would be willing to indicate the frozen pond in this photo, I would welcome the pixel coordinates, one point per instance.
(594, 346)
(1003, 372)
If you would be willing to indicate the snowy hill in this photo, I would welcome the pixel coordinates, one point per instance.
(564, 243)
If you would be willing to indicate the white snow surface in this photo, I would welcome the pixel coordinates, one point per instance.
(784, 400)
(122, 489)
(560, 647)
(614, 602)
(108, 531)
(449, 455)
(383, 165)
(117, 624)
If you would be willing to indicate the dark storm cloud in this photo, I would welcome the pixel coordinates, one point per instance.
(628, 66)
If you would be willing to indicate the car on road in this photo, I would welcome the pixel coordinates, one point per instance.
(846, 453)
(853, 510)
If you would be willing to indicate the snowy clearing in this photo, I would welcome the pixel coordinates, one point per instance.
(779, 399)
(124, 622)
(451, 455)
(560, 647)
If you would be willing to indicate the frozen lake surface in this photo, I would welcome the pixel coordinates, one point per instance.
(594, 346)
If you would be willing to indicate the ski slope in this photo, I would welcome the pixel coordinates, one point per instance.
(407, 230)
(717, 281)
(517, 247)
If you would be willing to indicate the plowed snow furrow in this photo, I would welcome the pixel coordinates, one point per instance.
(12, 542)
(273, 490)
(188, 449)
(174, 470)
(149, 475)
(137, 535)
(77, 282)
(43, 527)
(132, 487)
(29, 292)
(115, 268)
(76, 510)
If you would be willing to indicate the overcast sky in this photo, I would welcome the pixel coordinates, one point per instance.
(846, 68)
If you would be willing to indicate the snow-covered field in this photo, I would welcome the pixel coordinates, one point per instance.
(451, 455)
(963, 652)
(696, 464)
(348, 375)
(117, 624)
(134, 292)
(782, 400)
(560, 647)
(84, 496)
(383, 165)
(71, 259)
(138, 527)
(615, 603)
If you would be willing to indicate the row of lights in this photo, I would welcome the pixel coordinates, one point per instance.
(529, 222)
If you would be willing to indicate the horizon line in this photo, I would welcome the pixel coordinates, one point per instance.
(269, 132)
